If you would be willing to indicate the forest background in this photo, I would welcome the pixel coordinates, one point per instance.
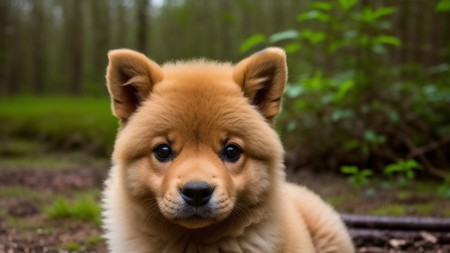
(368, 97)
(371, 76)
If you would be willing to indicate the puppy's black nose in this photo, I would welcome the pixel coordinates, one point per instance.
(196, 193)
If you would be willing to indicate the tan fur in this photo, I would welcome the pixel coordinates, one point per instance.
(198, 107)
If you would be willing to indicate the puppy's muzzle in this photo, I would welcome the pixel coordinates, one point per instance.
(196, 194)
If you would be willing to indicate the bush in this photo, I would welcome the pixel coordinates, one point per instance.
(348, 104)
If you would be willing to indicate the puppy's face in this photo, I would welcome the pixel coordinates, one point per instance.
(196, 143)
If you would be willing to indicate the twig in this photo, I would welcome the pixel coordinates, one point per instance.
(430, 147)
(428, 165)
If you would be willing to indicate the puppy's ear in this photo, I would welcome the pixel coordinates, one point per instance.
(262, 77)
(130, 78)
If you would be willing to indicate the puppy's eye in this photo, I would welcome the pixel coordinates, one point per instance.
(231, 153)
(163, 152)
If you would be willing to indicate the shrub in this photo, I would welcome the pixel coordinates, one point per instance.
(348, 103)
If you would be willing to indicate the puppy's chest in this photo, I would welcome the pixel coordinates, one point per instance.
(250, 242)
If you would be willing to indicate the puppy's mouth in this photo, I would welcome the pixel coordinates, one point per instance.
(196, 213)
(195, 217)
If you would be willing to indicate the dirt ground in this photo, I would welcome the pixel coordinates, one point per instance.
(25, 191)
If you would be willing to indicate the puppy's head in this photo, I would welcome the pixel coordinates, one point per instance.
(196, 143)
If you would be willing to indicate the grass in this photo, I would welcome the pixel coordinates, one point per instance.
(341, 200)
(426, 208)
(72, 246)
(17, 148)
(390, 209)
(87, 242)
(85, 209)
(23, 223)
(21, 191)
(64, 122)
(19, 153)
(94, 239)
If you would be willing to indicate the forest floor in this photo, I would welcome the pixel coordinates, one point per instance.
(49, 201)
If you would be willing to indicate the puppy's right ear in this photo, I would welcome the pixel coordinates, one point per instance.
(130, 78)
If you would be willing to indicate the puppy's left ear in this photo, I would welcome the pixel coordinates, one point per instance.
(262, 77)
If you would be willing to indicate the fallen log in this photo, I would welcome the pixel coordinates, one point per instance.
(397, 223)
(386, 235)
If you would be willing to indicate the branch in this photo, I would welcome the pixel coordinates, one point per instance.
(430, 147)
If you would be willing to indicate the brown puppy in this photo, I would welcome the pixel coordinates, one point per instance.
(198, 167)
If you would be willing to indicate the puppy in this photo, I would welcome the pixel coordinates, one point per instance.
(198, 167)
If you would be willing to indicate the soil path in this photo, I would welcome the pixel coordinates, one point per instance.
(25, 228)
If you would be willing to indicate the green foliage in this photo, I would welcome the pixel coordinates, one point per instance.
(252, 42)
(444, 189)
(72, 246)
(425, 209)
(392, 209)
(284, 35)
(443, 6)
(404, 170)
(349, 103)
(357, 177)
(83, 209)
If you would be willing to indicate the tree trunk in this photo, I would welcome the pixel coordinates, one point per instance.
(143, 8)
(101, 37)
(4, 11)
(39, 53)
(11, 58)
(121, 24)
(74, 40)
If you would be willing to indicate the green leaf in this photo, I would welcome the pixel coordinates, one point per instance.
(292, 47)
(284, 35)
(366, 172)
(372, 137)
(313, 36)
(292, 125)
(252, 42)
(293, 91)
(439, 69)
(372, 16)
(412, 164)
(443, 6)
(403, 166)
(386, 39)
(321, 6)
(347, 4)
(313, 15)
(378, 49)
(351, 144)
(335, 45)
(343, 89)
(383, 11)
(349, 169)
(339, 114)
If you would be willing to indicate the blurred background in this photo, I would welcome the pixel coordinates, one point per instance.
(367, 104)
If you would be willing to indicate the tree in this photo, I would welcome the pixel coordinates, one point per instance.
(143, 9)
(39, 54)
(4, 11)
(74, 41)
(100, 14)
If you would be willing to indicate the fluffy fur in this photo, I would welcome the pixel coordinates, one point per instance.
(197, 108)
